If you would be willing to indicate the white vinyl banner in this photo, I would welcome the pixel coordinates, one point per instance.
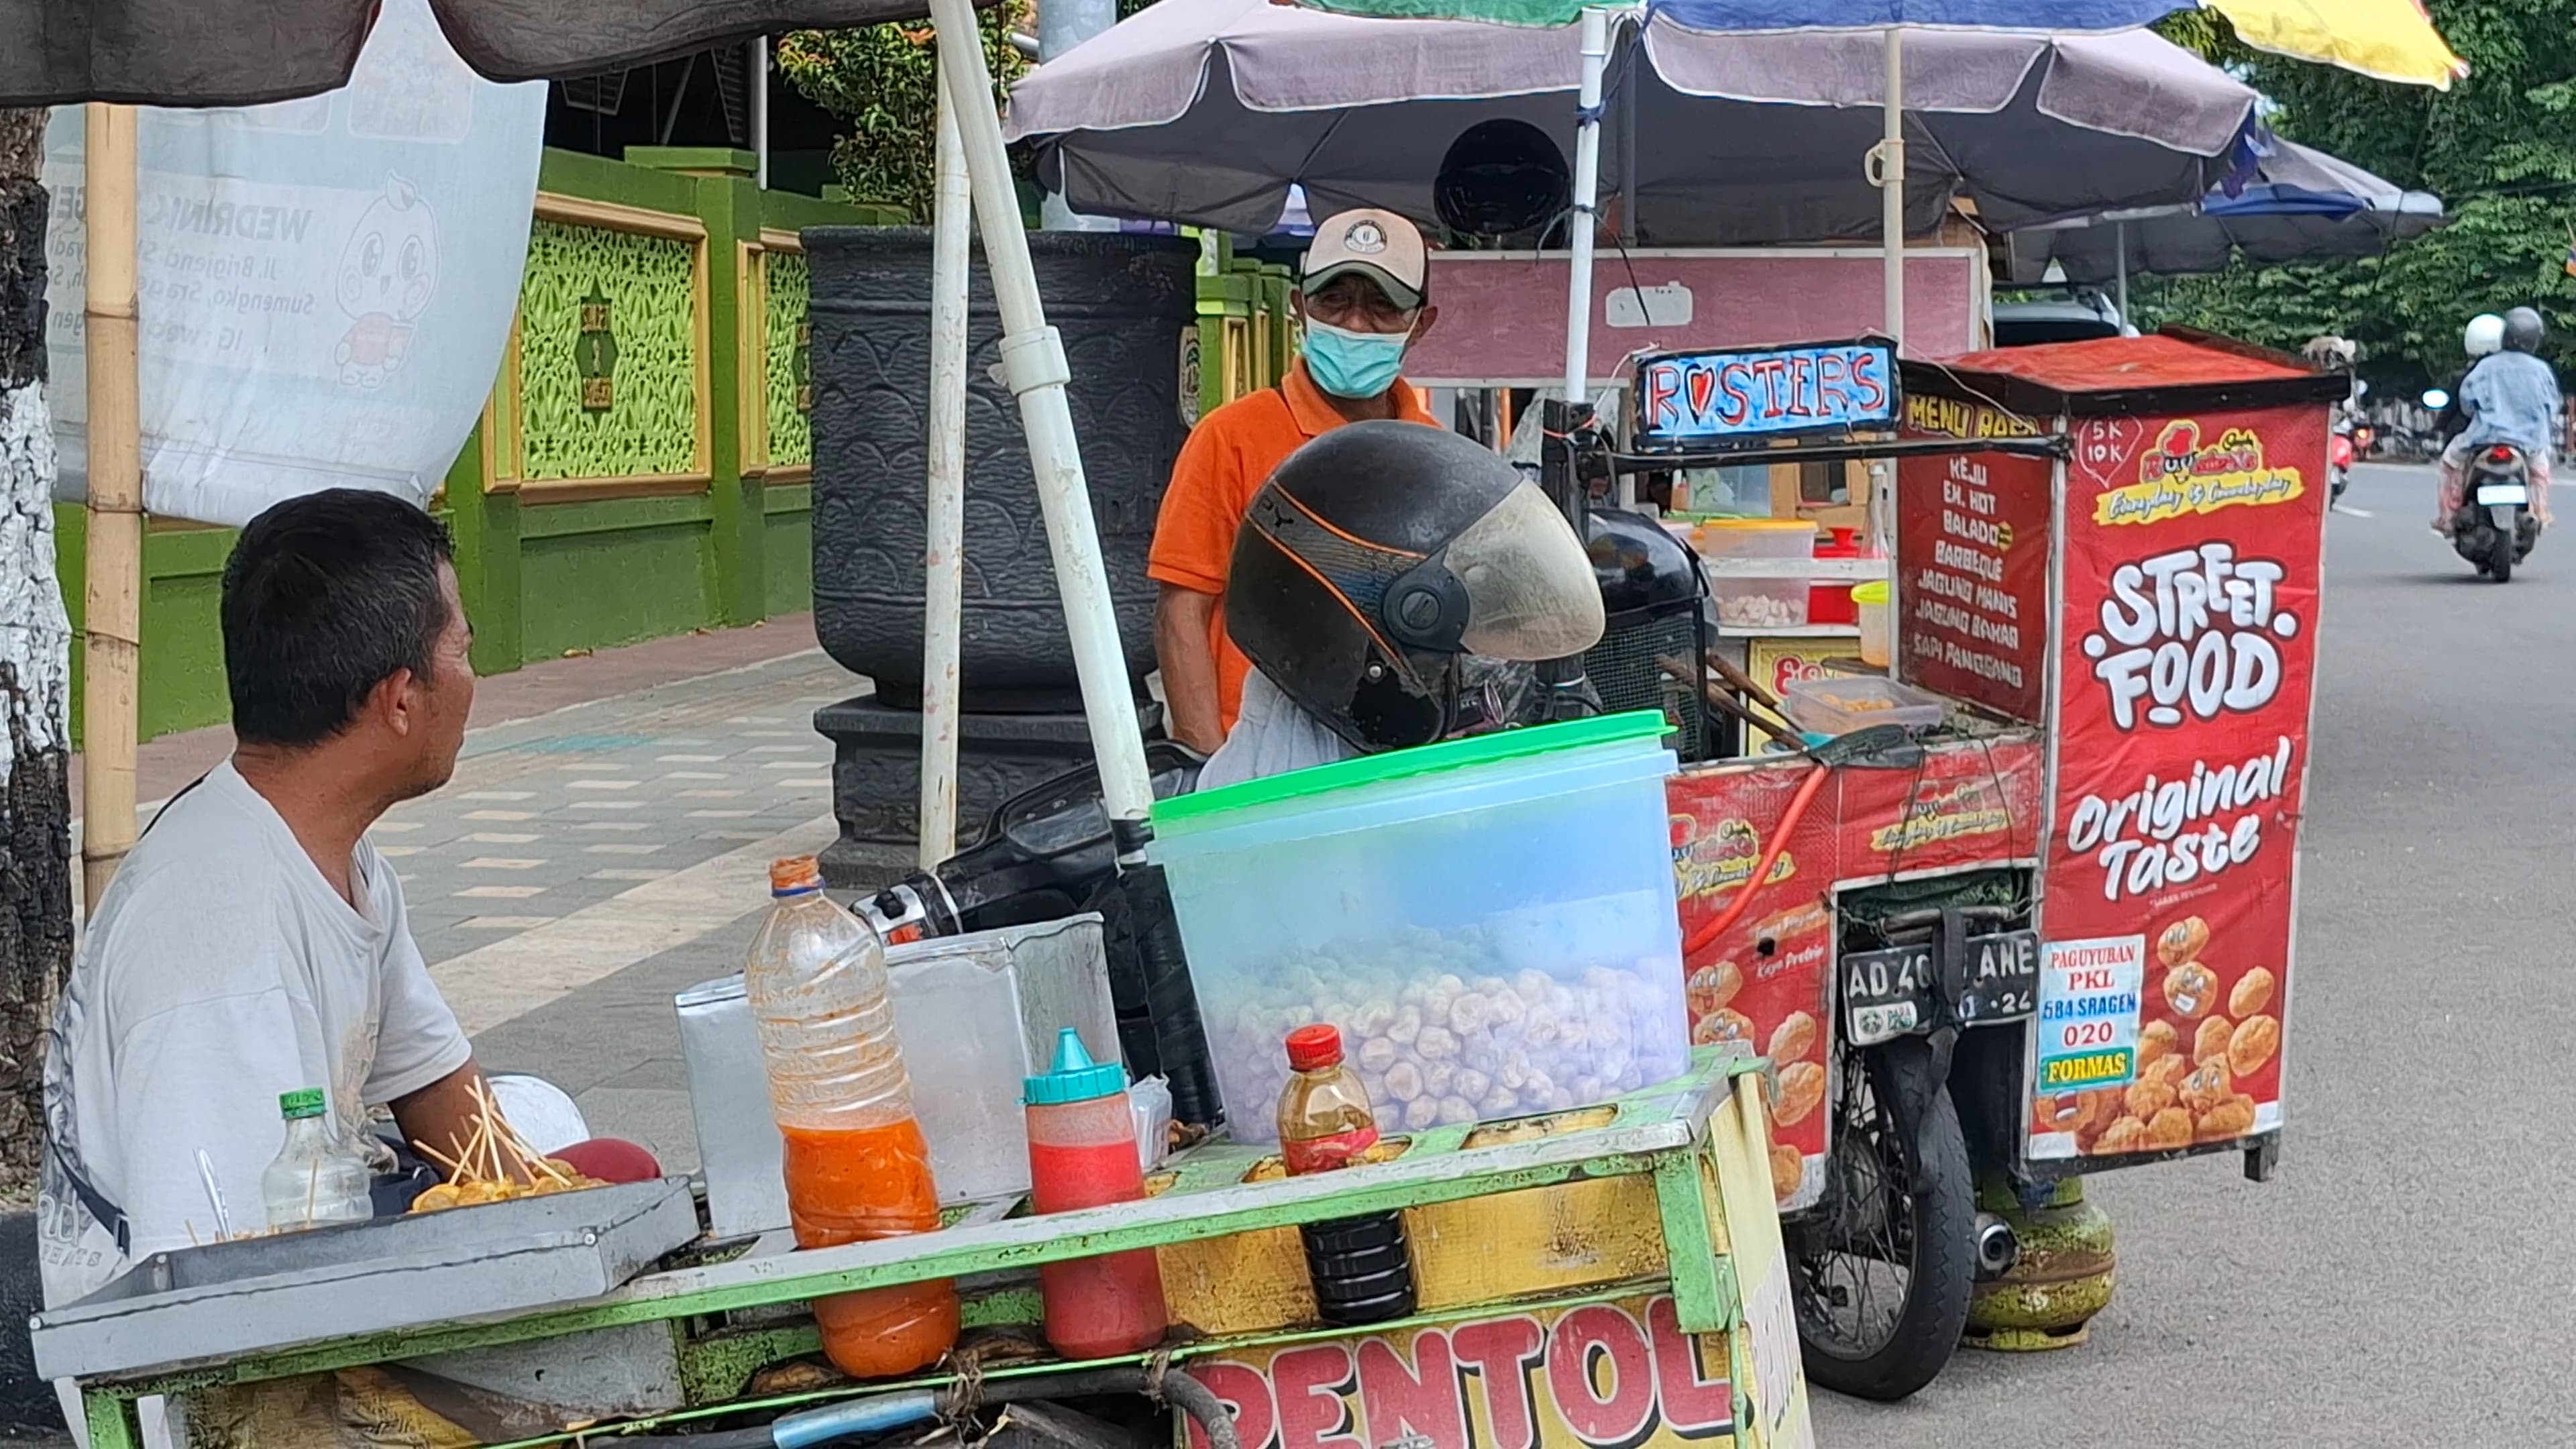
(324, 285)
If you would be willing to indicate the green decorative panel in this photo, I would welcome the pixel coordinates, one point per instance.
(789, 572)
(608, 354)
(786, 367)
(594, 590)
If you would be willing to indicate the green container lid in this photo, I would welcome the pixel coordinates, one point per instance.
(295, 1106)
(1075, 1077)
(1608, 729)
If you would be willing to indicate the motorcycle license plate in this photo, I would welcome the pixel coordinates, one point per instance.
(1887, 994)
(2491, 495)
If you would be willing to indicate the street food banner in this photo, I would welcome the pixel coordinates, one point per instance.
(1768, 980)
(2188, 657)
(1618, 1375)
(1972, 534)
(324, 286)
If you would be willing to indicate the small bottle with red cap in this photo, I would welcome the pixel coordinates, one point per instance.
(1362, 1270)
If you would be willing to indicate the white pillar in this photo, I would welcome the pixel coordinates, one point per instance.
(1034, 367)
(1587, 200)
(943, 561)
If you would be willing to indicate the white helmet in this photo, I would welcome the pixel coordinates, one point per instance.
(2485, 335)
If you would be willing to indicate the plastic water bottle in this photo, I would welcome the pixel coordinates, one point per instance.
(856, 1165)
(1361, 1267)
(315, 1178)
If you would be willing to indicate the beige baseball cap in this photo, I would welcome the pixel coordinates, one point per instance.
(1379, 244)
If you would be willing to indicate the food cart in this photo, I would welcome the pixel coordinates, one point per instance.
(2044, 928)
(1614, 1277)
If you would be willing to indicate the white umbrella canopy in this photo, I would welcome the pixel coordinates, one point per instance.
(1206, 111)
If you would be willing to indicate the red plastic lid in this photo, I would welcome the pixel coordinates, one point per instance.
(1313, 1048)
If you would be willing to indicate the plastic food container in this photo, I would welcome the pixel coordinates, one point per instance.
(1839, 706)
(1876, 642)
(1490, 923)
(1755, 603)
(1830, 601)
(1720, 539)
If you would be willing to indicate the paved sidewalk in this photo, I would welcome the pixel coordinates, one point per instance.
(587, 863)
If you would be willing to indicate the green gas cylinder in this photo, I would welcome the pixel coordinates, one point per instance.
(2063, 1277)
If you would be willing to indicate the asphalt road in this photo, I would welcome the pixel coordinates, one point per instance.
(2401, 1282)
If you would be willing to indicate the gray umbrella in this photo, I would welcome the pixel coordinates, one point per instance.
(1205, 111)
(2304, 205)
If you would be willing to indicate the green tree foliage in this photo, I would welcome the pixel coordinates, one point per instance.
(882, 81)
(2499, 148)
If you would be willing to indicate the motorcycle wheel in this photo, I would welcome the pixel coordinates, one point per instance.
(2499, 565)
(1883, 1267)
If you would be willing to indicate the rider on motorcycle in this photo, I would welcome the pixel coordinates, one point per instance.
(2509, 397)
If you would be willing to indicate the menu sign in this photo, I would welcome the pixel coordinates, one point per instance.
(1972, 535)
(2191, 572)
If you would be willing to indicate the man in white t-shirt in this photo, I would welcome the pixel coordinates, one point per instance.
(254, 943)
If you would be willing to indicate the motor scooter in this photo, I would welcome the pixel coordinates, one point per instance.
(2340, 454)
(2494, 527)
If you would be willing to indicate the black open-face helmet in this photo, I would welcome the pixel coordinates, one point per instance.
(2523, 330)
(1380, 552)
(1500, 177)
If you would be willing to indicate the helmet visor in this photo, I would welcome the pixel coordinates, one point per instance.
(1531, 593)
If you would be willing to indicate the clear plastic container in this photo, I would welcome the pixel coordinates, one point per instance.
(1720, 539)
(1876, 636)
(857, 1166)
(1755, 603)
(1839, 706)
(1489, 922)
(315, 1179)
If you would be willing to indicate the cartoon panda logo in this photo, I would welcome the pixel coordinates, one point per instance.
(387, 275)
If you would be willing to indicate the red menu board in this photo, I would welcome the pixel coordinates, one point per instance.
(1972, 563)
(2188, 656)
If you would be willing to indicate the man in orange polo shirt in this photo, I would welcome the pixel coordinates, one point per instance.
(1362, 299)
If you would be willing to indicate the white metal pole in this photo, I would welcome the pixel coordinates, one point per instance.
(943, 562)
(1891, 178)
(1587, 201)
(1033, 365)
(2120, 238)
(760, 111)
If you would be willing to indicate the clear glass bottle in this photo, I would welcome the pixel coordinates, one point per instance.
(315, 1178)
(857, 1166)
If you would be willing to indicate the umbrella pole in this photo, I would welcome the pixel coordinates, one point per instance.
(112, 618)
(2120, 239)
(1033, 365)
(944, 562)
(1890, 160)
(1587, 205)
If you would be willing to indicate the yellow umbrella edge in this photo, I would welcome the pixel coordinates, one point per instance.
(2390, 40)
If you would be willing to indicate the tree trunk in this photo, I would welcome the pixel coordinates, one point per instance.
(35, 672)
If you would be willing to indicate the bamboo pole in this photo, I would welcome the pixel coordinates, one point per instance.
(944, 562)
(112, 623)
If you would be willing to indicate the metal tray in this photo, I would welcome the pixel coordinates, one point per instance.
(259, 1294)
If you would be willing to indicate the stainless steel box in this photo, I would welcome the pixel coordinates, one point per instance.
(228, 1300)
(974, 1013)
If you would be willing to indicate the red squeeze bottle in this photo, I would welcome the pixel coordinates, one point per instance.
(1363, 1271)
(1082, 1154)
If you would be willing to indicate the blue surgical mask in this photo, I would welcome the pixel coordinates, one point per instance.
(1353, 364)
